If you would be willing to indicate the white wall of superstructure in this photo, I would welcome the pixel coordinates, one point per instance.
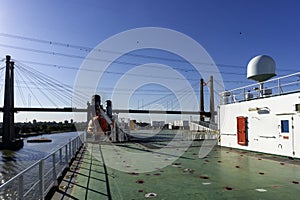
(272, 124)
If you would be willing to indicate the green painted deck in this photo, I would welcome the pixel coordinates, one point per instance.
(223, 174)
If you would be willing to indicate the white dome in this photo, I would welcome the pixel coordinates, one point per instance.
(261, 68)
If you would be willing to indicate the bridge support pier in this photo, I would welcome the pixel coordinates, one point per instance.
(9, 139)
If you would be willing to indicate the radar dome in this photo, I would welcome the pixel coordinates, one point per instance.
(261, 68)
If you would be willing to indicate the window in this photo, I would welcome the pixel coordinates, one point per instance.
(284, 126)
(297, 107)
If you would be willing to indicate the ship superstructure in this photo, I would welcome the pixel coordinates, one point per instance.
(263, 117)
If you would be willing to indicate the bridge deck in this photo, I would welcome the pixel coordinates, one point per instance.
(223, 174)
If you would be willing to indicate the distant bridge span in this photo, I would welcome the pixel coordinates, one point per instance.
(70, 109)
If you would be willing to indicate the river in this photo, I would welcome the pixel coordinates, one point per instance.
(13, 162)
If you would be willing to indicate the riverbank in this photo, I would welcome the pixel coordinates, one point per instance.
(26, 135)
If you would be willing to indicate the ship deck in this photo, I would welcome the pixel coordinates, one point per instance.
(223, 174)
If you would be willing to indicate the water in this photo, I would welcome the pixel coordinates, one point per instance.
(13, 162)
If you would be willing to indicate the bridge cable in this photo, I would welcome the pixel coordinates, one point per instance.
(22, 77)
(44, 83)
(58, 86)
(37, 87)
(19, 88)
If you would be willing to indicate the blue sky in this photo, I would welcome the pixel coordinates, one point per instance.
(231, 31)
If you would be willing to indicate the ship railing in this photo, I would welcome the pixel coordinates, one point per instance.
(273, 87)
(204, 125)
(203, 130)
(39, 178)
(195, 130)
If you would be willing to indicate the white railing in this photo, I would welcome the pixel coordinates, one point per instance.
(272, 87)
(43, 174)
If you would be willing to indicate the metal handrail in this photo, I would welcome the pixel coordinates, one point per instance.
(271, 80)
(232, 95)
(70, 150)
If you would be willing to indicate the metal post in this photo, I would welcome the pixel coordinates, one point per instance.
(115, 132)
(79, 141)
(201, 99)
(42, 178)
(66, 147)
(212, 102)
(54, 170)
(83, 137)
(77, 144)
(70, 150)
(279, 90)
(261, 89)
(88, 114)
(73, 148)
(60, 156)
(21, 188)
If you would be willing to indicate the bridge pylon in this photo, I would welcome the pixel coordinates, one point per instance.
(9, 139)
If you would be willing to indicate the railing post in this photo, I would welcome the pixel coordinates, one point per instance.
(60, 156)
(72, 146)
(54, 170)
(83, 137)
(21, 188)
(70, 150)
(74, 149)
(279, 92)
(66, 147)
(42, 178)
(77, 144)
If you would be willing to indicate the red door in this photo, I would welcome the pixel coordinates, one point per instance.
(242, 131)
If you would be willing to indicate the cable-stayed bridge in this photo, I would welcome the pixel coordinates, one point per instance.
(60, 94)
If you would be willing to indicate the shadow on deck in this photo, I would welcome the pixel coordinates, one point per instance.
(86, 178)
